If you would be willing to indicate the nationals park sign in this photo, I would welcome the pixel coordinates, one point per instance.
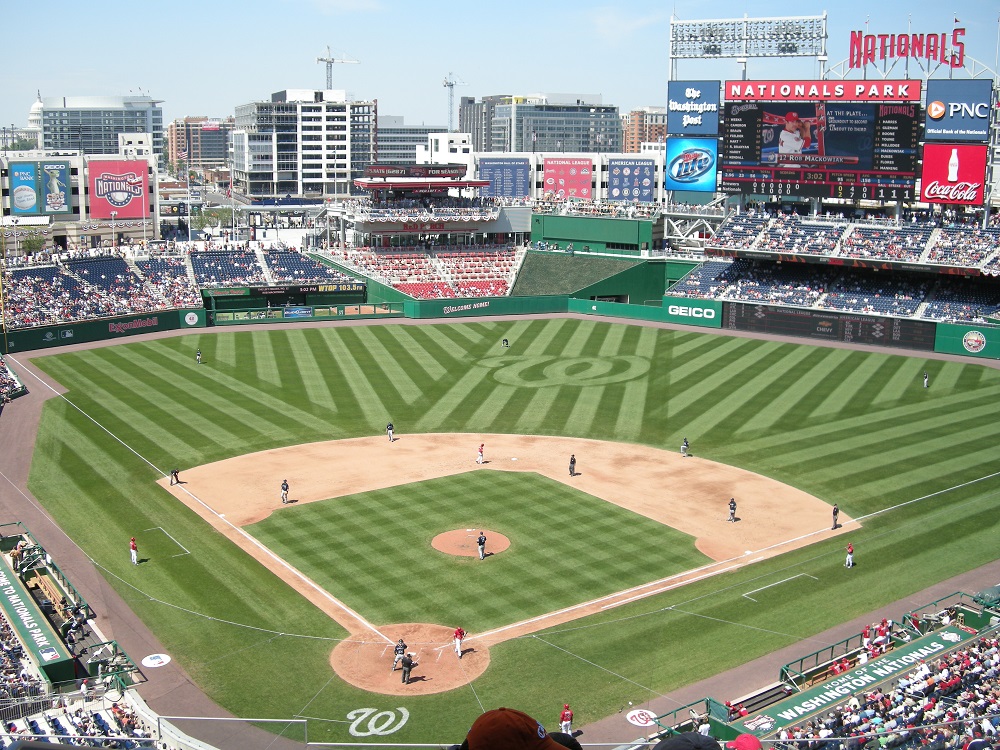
(904, 658)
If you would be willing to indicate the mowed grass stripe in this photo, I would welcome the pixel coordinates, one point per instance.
(632, 408)
(904, 377)
(541, 336)
(405, 341)
(219, 396)
(373, 410)
(303, 343)
(264, 358)
(584, 410)
(776, 384)
(395, 374)
(703, 406)
(695, 367)
(155, 413)
(542, 571)
(452, 400)
(844, 396)
(804, 430)
(225, 351)
(944, 376)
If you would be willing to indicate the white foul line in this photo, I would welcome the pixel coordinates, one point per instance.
(776, 583)
(186, 550)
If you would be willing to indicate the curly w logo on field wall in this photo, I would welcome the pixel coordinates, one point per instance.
(545, 372)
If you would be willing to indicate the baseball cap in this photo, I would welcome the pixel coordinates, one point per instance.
(687, 741)
(744, 742)
(509, 729)
(565, 705)
(792, 116)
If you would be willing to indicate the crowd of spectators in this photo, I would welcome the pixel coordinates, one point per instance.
(9, 385)
(950, 702)
(430, 208)
(597, 209)
(963, 301)
(751, 281)
(739, 231)
(789, 233)
(968, 246)
(168, 277)
(899, 243)
(880, 295)
(288, 265)
(222, 269)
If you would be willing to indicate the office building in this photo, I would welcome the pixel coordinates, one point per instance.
(556, 122)
(476, 119)
(201, 141)
(645, 125)
(397, 143)
(91, 124)
(304, 143)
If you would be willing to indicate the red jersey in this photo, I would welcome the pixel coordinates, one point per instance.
(459, 634)
(566, 715)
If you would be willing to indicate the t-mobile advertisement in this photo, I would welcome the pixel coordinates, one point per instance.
(954, 173)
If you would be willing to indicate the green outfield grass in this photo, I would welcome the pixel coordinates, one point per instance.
(849, 427)
(566, 547)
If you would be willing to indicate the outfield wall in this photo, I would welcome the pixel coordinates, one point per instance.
(968, 340)
(45, 337)
(478, 306)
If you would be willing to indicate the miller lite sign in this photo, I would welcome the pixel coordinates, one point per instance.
(954, 173)
(119, 186)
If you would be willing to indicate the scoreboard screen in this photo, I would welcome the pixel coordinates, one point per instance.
(821, 149)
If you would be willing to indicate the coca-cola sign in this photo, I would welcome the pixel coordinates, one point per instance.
(954, 173)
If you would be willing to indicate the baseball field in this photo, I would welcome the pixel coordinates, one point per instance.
(256, 599)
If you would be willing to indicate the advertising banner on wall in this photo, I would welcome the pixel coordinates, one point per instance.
(631, 180)
(40, 188)
(119, 186)
(954, 173)
(823, 90)
(568, 178)
(691, 164)
(958, 110)
(509, 178)
(693, 107)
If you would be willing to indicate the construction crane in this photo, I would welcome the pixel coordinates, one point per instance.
(329, 66)
(450, 82)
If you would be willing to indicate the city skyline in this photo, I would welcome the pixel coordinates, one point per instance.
(206, 59)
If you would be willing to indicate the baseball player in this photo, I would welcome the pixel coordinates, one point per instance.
(389, 430)
(481, 543)
(566, 720)
(479, 455)
(836, 515)
(572, 465)
(732, 510)
(927, 379)
(684, 448)
(505, 344)
(133, 551)
(197, 356)
(175, 477)
(459, 637)
(850, 556)
(284, 491)
(398, 653)
(408, 664)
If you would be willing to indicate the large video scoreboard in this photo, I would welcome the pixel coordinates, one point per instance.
(825, 139)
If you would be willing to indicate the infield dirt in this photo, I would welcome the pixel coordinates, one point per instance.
(689, 494)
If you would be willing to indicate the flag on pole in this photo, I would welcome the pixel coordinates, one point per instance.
(183, 154)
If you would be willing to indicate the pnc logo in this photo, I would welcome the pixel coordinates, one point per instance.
(683, 311)
(936, 110)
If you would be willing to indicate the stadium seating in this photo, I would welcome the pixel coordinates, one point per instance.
(880, 295)
(789, 233)
(168, 277)
(739, 231)
(965, 246)
(962, 301)
(221, 269)
(899, 243)
(290, 266)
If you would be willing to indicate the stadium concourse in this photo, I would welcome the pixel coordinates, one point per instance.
(168, 690)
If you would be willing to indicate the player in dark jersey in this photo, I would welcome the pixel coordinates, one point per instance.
(398, 653)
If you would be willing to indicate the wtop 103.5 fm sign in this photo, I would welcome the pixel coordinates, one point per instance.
(958, 110)
(693, 107)
(691, 164)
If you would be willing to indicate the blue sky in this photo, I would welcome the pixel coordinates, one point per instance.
(205, 58)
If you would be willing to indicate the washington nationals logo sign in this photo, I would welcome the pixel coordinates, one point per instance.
(974, 342)
(544, 372)
(368, 722)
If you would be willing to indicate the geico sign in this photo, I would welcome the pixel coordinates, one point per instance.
(691, 312)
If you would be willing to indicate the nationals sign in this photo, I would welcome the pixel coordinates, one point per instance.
(830, 91)
(119, 186)
(954, 173)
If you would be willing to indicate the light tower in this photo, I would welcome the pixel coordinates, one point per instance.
(450, 82)
(329, 66)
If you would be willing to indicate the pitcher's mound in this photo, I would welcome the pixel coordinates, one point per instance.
(463, 542)
(366, 663)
